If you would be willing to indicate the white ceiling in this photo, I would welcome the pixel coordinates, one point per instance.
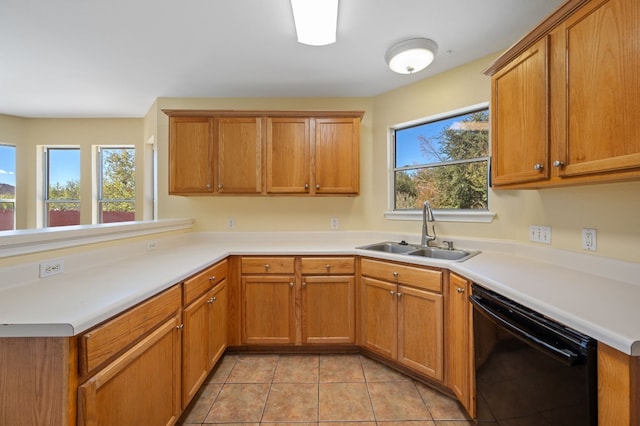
(85, 58)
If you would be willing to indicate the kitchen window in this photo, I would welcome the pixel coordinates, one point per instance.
(443, 159)
(116, 184)
(7, 187)
(61, 186)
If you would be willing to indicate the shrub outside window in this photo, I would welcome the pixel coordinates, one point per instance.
(444, 161)
(117, 184)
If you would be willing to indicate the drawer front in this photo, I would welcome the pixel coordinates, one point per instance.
(203, 281)
(267, 265)
(328, 265)
(428, 279)
(105, 341)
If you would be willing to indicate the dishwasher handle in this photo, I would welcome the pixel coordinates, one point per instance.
(565, 356)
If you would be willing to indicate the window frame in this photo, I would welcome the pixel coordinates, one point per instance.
(444, 215)
(99, 175)
(45, 179)
(15, 187)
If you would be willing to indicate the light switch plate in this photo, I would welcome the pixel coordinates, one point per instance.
(540, 234)
(589, 239)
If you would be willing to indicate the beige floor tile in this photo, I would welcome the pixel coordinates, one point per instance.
(377, 372)
(345, 402)
(197, 411)
(408, 423)
(297, 369)
(239, 403)
(347, 424)
(397, 401)
(440, 406)
(253, 369)
(223, 369)
(292, 402)
(340, 368)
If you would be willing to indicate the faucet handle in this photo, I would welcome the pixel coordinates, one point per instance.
(449, 244)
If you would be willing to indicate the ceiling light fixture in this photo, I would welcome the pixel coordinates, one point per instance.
(411, 56)
(316, 21)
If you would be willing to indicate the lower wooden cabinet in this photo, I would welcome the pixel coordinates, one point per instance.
(141, 386)
(459, 343)
(401, 322)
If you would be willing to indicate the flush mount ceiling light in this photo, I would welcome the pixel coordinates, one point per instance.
(411, 56)
(316, 21)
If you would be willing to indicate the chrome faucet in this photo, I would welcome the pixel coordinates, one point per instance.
(427, 216)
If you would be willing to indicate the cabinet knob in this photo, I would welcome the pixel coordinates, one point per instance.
(266, 267)
(304, 283)
(180, 327)
(306, 186)
(460, 290)
(327, 266)
(391, 292)
(399, 294)
(395, 275)
(538, 166)
(212, 278)
(558, 163)
(317, 186)
(291, 284)
(210, 301)
(208, 186)
(219, 186)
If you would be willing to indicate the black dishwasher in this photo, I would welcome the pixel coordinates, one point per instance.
(530, 370)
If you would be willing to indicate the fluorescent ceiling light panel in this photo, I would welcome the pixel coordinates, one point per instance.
(316, 21)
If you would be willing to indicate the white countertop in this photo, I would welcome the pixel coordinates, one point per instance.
(596, 296)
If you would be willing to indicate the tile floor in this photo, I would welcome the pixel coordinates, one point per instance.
(316, 389)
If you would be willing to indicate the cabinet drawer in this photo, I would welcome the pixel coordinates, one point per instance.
(428, 279)
(327, 265)
(267, 265)
(105, 341)
(203, 281)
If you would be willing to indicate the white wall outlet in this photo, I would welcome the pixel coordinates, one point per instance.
(589, 240)
(152, 245)
(540, 234)
(335, 223)
(231, 223)
(53, 267)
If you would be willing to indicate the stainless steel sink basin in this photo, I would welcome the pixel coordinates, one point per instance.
(390, 247)
(443, 253)
(415, 250)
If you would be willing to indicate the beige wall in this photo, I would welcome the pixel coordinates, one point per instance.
(28, 133)
(611, 208)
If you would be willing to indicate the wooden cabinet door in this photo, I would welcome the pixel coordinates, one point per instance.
(328, 309)
(379, 317)
(420, 331)
(195, 353)
(336, 156)
(519, 119)
(599, 63)
(459, 343)
(268, 309)
(217, 323)
(239, 143)
(191, 155)
(287, 155)
(142, 386)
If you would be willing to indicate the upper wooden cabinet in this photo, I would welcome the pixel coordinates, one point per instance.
(564, 99)
(264, 152)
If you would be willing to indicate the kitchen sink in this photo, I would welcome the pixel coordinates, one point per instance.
(391, 247)
(415, 250)
(443, 253)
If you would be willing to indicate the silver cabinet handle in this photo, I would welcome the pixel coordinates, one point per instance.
(538, 166)
(180, 327)
(210, 301)
(212, 278)
(558, 163)
(460, 290)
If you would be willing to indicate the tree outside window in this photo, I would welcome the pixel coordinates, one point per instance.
(117, 184)
(62, 188)
(445, 161)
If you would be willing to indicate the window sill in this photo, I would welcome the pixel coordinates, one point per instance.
(470, 216)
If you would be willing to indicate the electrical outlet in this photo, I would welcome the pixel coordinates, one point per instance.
(152, 245)
(335, 223)
(53, 267)
(540, 234)
(231, 223)
(589, 240)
